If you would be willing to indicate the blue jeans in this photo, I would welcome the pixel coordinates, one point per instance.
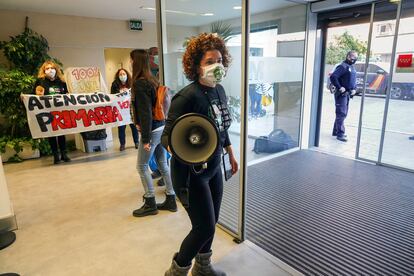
(143, 167)
(121, 134)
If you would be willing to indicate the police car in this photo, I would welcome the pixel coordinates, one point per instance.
(378, 79)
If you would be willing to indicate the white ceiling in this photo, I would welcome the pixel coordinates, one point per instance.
(128, 9)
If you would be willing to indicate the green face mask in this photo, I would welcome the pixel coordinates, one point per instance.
(213, 74)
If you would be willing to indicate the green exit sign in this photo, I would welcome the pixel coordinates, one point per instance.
(135, 25)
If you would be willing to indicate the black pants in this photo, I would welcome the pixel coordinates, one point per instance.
(205, 194)
(341, 111)
(55, 141)
(121, 134)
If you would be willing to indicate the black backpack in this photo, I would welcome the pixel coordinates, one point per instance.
(276, 141)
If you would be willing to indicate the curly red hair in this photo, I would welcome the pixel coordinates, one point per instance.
(196, 49)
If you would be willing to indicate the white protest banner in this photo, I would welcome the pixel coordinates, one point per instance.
(54, 115)
(84, 80)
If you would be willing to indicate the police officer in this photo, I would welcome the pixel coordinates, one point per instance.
(344, 80)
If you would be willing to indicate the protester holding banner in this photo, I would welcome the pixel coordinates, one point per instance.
(142, 102)
(122, 83)
(50, 81)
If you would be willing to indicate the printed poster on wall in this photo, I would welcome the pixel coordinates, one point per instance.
(55, 115)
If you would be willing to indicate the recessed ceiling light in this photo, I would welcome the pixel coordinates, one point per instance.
(237, 7)
(207, 14)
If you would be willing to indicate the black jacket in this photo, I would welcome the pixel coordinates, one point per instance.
(143, 101)
(200, 99)
(116, 86)
(344, 76)
(51, 87)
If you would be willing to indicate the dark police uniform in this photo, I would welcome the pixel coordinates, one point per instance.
(343, 76)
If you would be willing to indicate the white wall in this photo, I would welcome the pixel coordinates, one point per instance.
(78, 41)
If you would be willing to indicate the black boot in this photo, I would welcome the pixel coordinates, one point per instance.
(169, 204)
(56, 158)
(65, 157)
(149, 208)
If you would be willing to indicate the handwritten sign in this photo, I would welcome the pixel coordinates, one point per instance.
(54, 115)
(84, 80)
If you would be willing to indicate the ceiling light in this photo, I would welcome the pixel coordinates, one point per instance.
(147, 8)
(237, 7)
(180, 12)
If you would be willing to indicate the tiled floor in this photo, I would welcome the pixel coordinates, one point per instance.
(75, 219)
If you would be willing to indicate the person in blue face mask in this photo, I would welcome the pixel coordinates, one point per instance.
(154, 65)
(344, 80)
(122, 83)
(154, 62)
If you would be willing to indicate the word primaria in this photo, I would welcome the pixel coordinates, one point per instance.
(68, 119)
(41, 102)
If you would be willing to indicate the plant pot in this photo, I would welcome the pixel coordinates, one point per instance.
(26, 153)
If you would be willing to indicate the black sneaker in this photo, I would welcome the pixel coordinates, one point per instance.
(56, 158)
(342, 138)
(65, 157)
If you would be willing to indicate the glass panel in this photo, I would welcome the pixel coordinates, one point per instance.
(377, 80)
(276, 48)
(398, 146)
(338, 42)
(277, 42)
(189, 18)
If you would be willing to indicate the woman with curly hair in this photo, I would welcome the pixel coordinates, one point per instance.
(50, 81)
(204, 63)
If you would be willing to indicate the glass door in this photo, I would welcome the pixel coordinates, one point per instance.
(377, 79)
(398, 143)
(179, 22)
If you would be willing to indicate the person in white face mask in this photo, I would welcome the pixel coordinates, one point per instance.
(122, 83)
(205, 62)
(50, 81)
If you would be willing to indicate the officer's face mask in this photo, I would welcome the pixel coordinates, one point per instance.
(123, 78)
(213, 74)
(50, 73)
(351, 59)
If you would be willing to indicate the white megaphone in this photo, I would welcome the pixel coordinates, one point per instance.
(194, 139)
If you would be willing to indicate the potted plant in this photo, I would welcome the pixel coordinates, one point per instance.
(25, 52)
